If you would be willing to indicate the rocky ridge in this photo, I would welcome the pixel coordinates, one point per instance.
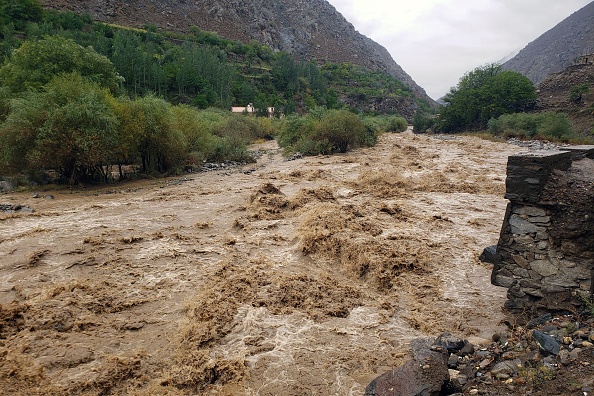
(311, 30)
(558, 48)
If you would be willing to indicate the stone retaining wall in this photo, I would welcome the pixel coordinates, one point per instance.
(545, 253)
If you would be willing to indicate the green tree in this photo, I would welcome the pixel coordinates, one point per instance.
(35, 63)
(484, 93)
(70, 127)
(285, 74)
(130, 130)
(19, 12)
(196, 131)
(161, 147)
(577, 91)
(422, 122)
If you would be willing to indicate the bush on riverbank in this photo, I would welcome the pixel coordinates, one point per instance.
(325, 132)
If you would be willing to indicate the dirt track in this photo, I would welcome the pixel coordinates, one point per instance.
(301, 277)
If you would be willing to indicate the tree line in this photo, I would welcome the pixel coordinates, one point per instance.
(200, 68)
(61, 108)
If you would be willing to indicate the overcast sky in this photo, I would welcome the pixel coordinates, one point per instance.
(437, 41)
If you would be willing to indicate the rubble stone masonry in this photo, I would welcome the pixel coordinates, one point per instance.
(545, 253)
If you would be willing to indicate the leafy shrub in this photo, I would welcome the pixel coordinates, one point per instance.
(373, 128)
(577, 91)
(325, 132)
(422, 122)
(295, 130)
(197, 132)
(396, 124)
(339, 130)
(547, 125)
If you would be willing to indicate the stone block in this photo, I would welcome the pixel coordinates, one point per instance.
(521, 226)
(544, 220)
(542, 236)
(527, 283)
(521, 272)
(533, 211)
(533, 292)
(544, 268)
(503, 281)
(535, 276)
(548, 288)
(521, 261)
(563, 282)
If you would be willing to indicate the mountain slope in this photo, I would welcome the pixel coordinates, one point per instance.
(557, 48)
(554, 94)
(307, 29)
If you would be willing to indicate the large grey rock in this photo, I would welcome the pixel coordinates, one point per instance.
(489, 254)
(520, 226)
(6, 186)
(425, 375)
(450, 342)
(548, 344)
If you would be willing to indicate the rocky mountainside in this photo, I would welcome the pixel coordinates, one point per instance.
(554, 94)
(307, 29)
(558, 48)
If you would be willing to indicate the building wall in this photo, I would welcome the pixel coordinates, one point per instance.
(545, 253)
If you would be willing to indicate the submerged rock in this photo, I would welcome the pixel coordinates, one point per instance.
(488, 254)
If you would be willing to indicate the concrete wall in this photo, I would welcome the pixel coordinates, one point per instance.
(545, 253)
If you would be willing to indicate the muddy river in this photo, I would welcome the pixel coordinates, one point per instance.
(304, 277)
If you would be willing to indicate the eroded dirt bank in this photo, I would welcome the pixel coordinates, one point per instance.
(302, 277)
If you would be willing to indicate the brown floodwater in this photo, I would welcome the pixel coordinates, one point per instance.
(281, 277)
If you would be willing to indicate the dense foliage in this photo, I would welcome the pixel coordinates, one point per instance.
(80, 97)
(36, 62)
(548, 125)
(326, 132)
(484, 93)
(423, 122)
(19, 12)
(78, 129)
